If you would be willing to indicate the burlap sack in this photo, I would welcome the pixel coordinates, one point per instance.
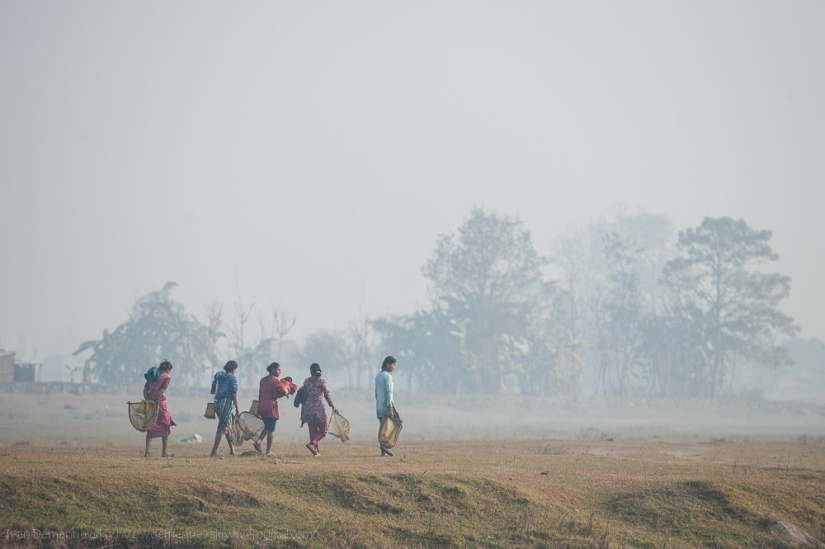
(389, 431)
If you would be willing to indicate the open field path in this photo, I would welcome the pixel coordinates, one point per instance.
(482, 493)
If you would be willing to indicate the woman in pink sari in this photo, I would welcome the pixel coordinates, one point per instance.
(157, 381)
(313, 412)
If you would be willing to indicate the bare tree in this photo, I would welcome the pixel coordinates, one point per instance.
(284, 322)
(361, 349)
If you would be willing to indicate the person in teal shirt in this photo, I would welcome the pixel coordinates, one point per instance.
(384, 405)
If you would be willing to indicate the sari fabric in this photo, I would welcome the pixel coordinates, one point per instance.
(225, 410)
(156, 391)
(224, 386)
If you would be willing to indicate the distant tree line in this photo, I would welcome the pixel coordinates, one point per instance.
(628, 313)
(618, 308)
(157, 328)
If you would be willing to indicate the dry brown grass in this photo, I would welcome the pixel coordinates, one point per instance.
(717, 493)
(75, 477)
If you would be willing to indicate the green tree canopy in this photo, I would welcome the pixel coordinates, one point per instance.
(485, 279)
(621, 317)
(429, 344)
(720, 290)
(157, 328)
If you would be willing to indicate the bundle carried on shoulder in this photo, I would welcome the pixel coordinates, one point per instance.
(216, 380)
(153, 374)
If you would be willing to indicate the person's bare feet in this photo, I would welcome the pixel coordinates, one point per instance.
(168, 455)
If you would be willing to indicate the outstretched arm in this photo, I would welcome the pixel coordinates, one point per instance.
(327, 396)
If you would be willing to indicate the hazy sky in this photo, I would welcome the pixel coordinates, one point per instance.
(305, 155)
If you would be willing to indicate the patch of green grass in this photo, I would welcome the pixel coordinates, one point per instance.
(716, 514)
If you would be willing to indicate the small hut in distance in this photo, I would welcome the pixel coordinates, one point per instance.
(11, 372)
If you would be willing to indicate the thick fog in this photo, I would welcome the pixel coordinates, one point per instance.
(305, 157)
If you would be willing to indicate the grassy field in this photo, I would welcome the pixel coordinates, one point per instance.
(84, 483)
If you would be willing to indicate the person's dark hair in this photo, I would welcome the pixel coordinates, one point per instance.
(231, 366)
(387, 361)
(165, 366)
(272, 367)
(315, 369)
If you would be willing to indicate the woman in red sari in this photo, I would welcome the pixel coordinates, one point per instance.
(157, 381)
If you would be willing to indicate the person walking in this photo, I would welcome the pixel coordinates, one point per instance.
(313, 411)
(157, 381)
(270, 390)
(225, 389)
(384, 404)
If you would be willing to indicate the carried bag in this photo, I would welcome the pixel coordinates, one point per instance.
(338, 426)
(300, 397)
(143, 414)
(210, 410)
(253, 409)
(389, 431)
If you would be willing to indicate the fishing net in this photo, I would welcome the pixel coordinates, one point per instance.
(338, 426)
(250, 427)
(143, 414)
(389, 431)
(234, 431)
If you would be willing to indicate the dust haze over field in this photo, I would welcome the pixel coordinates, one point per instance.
(101, 419)
(307, 156)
